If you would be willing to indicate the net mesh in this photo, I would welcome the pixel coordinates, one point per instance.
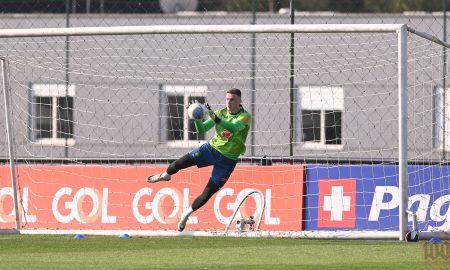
(93, 116)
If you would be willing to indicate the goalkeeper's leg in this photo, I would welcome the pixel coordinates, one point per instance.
(179, 164)
(210, 189)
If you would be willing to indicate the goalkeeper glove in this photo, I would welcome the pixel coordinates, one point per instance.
(211, 113)
(190, 103)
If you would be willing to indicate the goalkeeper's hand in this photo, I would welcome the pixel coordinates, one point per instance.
(211, 113)
(190, 103)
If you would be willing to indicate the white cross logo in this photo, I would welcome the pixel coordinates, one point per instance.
(337, 203)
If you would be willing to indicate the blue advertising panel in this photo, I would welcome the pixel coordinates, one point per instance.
(366, 197)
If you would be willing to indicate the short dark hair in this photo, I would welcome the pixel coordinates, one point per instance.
(234, 91)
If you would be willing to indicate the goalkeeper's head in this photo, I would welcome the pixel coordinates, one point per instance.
(233, 100)
(234, 91)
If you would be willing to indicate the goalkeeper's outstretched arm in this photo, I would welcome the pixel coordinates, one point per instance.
(203, 126)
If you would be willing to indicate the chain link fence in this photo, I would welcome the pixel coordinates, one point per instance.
(103, 70)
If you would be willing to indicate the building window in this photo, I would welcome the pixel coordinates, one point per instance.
(178, 130)
(319, 116)
(439, 120)
(52, 114)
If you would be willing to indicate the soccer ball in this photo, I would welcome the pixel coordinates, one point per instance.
(196, 111)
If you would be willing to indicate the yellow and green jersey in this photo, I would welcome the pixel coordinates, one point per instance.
(231, 131)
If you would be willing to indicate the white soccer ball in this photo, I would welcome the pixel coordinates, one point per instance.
(196, 111)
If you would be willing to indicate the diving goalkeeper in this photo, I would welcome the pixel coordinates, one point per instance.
(232, 125)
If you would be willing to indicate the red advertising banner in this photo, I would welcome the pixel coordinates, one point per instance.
(119, 198)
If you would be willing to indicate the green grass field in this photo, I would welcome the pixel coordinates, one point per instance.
(109, 252)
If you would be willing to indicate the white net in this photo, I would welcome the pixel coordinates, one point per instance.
(429, 185)
(93, 116)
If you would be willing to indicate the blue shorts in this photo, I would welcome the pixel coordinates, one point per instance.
(206, 155)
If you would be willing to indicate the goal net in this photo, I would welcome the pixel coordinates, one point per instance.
(349, 123)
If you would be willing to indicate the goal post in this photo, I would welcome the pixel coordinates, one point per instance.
(403, 130)
(8, 119)
(93, 114)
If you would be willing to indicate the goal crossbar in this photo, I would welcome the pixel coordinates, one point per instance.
(201, 29)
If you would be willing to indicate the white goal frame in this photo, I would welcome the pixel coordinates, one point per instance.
(400, 29)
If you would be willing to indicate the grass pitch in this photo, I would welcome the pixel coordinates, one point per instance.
(109, 252)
